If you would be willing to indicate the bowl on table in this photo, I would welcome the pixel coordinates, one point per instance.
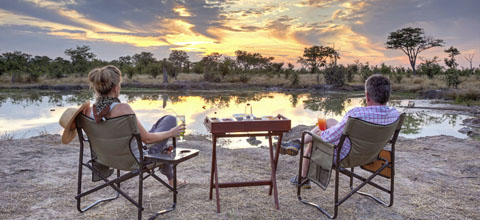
(239, 117)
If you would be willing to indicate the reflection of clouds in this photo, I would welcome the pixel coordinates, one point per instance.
(30, 117)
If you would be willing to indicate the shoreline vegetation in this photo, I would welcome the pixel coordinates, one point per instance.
(317, 68)
(422, 87)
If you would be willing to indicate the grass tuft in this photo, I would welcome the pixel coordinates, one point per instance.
(7, 136)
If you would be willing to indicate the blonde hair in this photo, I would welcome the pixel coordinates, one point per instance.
(103, 79)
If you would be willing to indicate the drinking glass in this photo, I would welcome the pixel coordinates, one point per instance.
(181, 119)
(248, 111)
(322, 122)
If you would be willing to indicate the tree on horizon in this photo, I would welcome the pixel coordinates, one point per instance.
(411, 41)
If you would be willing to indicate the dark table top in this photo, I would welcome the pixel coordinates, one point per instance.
(178, 155)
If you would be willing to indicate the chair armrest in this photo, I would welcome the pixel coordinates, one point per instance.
(317, 138)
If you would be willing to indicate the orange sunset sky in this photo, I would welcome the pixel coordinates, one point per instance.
(358, 29)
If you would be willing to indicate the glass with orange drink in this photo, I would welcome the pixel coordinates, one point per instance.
(322, 122)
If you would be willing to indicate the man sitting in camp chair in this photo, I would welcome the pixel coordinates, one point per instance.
(377, 93)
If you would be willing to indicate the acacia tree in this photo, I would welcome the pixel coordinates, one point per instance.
(15, 62)
(452, 76)
(316, 57)
(255, 60)
(80, 56)
(179, 59)
(452, 62)
(411, 41)
(142, 60)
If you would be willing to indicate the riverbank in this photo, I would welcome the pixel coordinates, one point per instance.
(440, 181)
(423, 87)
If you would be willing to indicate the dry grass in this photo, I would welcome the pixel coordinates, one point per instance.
(38, 181)
(413, 83)
(6, 136)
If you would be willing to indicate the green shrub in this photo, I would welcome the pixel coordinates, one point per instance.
(244, 78)
(128, 70)
(365, 72)
(385, 70)
(351, 71)
(335, 75)
(197, 68)
(397, 74)
(212, 77)
(452, 78)
(294, 78)
(430, 71)
(154, 69)
(22, 77)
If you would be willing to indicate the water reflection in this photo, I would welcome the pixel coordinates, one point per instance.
(330, 105)
(426, 122)
(29, 113)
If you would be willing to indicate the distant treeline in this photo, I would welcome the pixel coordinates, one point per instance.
(215, 67)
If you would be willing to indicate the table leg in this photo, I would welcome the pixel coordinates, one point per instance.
(277, 154)
(273, 176)
(215, 172)
(217, 194)
(214, 150)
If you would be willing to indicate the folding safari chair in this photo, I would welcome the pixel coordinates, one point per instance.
(110, 149)
(367, 151)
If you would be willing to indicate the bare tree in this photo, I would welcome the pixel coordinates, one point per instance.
(469, 58)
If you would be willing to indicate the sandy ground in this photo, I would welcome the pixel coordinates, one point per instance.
(436, 178)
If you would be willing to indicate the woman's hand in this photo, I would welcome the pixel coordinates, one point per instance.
(176, 131)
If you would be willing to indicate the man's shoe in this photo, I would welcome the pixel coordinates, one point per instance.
(305, 184)
(290, 148)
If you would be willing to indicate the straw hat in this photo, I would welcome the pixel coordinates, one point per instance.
(67, 121)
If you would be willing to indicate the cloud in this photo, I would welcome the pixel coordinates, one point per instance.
(350, 44)
(274, 28)
(280, 27)
(320, 3)
(351, 11)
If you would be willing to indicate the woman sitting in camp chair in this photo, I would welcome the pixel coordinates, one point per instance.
(106, 83)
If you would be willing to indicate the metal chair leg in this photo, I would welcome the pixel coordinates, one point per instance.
(299, 187)
(79, 186)
(93, 204)
(322, 210)
(390, 192)
(174, 191)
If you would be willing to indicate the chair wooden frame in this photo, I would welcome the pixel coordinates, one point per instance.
(338, 168)
(145, 167)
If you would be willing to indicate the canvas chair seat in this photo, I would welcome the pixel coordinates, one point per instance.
(110, 149)
(367, 143)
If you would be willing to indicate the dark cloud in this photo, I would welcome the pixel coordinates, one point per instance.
(122, 13)
(24, 29)
(321, 3)
(438, 18)
(71, 31)
(132, 34)
(127, 14)
(204, 16)
(147, 13)
(250, 28)
(317, 36)
(32, 10)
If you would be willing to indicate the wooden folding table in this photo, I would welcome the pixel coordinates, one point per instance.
(265, 126)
